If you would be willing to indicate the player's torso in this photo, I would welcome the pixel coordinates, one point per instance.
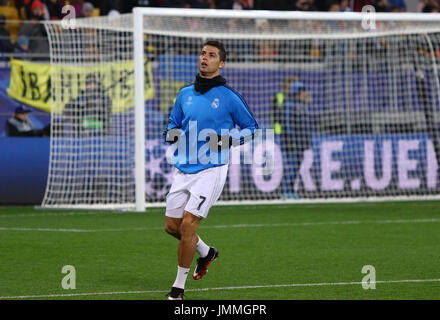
(210, 110)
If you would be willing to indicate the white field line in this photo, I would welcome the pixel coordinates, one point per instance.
(231, 226)
(65, 213)
(323, 284)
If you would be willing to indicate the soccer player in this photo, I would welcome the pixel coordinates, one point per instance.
(202, 124)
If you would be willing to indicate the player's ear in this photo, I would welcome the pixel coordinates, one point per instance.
(222, 64)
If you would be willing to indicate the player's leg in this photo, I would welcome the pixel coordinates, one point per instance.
(173, 220)
(188, 240)
(176, 225)
(185, 252)
(204, 193)
(172, 227)
(176, 200)
(205, 188)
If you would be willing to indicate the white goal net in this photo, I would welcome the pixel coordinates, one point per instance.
(352, 100)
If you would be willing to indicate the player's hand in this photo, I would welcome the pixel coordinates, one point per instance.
(173, 135)
(218, 143)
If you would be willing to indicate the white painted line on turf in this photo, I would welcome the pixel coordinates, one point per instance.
(38, 296)
(313, 284)
(44, 229)
(299, 224)
(230, 226)
(67, 213)
(217, 289)
(69, 230)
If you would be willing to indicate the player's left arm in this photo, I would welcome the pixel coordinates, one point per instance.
(241, 116)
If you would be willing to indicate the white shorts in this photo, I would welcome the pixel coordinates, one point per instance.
(195, 193)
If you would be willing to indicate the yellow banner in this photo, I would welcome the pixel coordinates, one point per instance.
(49, 87)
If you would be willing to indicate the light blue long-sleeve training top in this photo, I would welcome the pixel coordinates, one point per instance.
(219, 110)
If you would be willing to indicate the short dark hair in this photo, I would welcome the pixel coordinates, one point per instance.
(219, 46)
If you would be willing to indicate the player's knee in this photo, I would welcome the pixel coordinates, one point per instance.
(188, 228)
(172, 230)
(185, 228)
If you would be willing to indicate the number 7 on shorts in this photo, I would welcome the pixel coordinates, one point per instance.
(201, 203)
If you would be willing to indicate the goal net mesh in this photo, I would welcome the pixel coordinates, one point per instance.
(354, 109)
(92, 117)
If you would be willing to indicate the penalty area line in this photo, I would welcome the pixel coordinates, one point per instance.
(61, 295)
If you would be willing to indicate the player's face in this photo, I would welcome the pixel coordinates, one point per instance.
(209, 62)
(22, 116)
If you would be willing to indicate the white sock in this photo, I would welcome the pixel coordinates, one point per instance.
(182, 273)
(202, 248)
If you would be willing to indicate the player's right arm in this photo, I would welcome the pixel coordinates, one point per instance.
(173, 132)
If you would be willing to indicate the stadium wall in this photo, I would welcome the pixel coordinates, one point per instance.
(24, 165)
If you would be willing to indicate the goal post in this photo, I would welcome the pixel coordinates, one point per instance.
(347, 103)
(139, 81)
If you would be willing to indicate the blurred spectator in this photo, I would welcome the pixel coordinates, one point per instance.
(90, 113)
(37, 10)
(266, 49)
(345, 6)
(36, 33)
(21, 126)
(297, 129)
(5, 40)
(303, 5)
(78, 5)
(334, 25)
(22, 45)
(54, 8)
(430, 6)
(87, 10)
(242, 5)
(278, 101)
(334, 7)
(113, 14)
(420, 5)
(278, 124)
(397, 5)
(312, 5)
(27, 4)
(359, 4)
(431, 9)
(431, 3)
(382, 6)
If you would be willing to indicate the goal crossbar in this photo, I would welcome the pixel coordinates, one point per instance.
(287, 15)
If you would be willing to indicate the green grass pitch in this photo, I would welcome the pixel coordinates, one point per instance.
(287, 252)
